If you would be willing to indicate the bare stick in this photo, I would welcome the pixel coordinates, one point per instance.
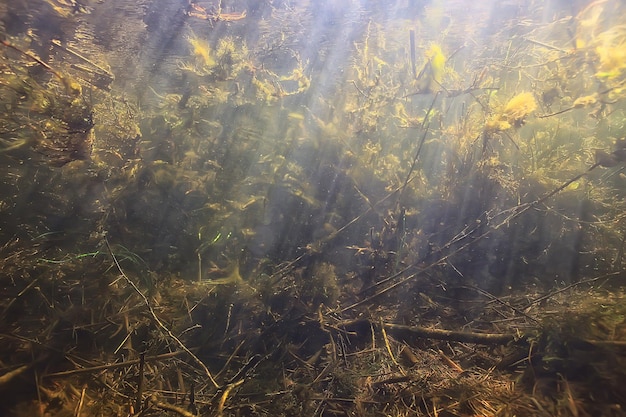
(170, 407)
(229, 388)
(6, 378)
(79, 408)
(70, 85)
(113, 365)
(412, 51)
(451, 335)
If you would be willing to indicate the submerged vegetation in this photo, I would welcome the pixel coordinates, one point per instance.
(513, 114)
(299, 208)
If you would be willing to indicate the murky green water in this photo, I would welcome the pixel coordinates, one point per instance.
(239, 171)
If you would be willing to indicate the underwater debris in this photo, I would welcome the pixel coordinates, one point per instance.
(49, 117)
(68, 8)
(95, 74)
(224, 62)
(608, 160)
(605, 159)
(321, 285)
(71, 85)
(200, 12)
(233, 277)
(585, 101)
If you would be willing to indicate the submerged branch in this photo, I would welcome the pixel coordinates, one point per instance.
(452, 335)
(404, 331)
(111, 366)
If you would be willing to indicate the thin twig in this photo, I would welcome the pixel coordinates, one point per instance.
(158, 321)
(504, 303)
(139, 401)
(388, 345)
(424, 127)
(515, 213)
(575, 284)
(113, 365)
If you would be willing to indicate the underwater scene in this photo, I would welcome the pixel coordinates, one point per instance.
(325, 208)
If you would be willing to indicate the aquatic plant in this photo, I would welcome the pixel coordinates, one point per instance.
(201, 50)
(430, 77)
(513, 114)
(380, 199)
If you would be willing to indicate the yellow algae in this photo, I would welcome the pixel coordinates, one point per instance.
(513, 113)
(519, 107)
(437, 62)
(495, 124)
(585, 101)
(431, 75)
(574, 185)
(232, 57)
(612, 61)
(201, 50)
